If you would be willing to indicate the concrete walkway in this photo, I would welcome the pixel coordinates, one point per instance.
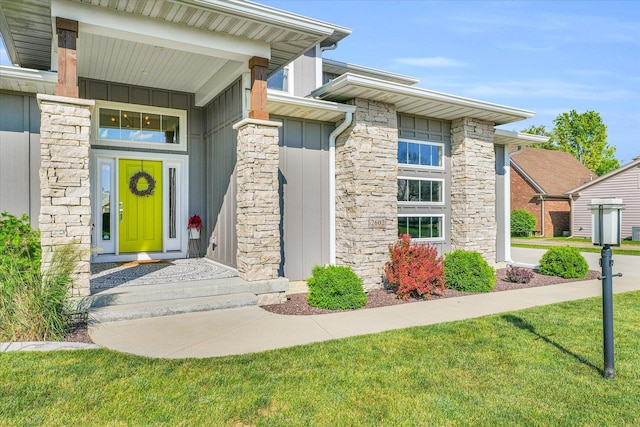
(247, 330)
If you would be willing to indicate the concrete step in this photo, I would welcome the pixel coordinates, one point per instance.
(124, 295)
(158, 308)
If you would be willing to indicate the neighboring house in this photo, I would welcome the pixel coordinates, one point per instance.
(539, 183)
(128, 117)
(622, 183)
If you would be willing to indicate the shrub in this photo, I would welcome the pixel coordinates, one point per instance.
(522, 222)
(565, 262)
(414, 270)
(467, 271)
(519, 274)
(335, 288)
(19, 243)
(33, 307)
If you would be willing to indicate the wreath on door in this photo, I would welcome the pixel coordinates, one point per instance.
(135, 179)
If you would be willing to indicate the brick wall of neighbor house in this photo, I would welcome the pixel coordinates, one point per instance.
(65, 207)
(557, 218)
(366, 190)
(523, 197)
(473, 182)
(258, 200)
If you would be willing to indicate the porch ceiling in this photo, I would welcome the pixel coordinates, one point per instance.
(186, 45)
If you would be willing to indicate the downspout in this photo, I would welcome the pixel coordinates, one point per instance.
(570, 215)
(348, 118)
(542, 216)
(507, 202)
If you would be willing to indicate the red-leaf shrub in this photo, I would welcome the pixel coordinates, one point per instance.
(414, 269)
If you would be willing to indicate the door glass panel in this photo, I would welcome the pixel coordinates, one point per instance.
(109, 124)
(172, 203)
(105, 201)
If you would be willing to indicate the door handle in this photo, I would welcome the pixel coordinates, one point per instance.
(121, 212)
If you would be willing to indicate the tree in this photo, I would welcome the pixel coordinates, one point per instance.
(584, 135)
(542, 131)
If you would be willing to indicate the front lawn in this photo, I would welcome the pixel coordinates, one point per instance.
(540, 366)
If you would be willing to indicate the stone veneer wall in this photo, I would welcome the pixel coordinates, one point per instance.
(258, 200)
(366, 190)
(473, 187)
(65, 211)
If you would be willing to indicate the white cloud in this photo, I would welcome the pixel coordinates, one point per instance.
(431, 62)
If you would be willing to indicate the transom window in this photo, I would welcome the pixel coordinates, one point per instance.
(420, 153)
(420, 190)
(127, 125)
(421, 226)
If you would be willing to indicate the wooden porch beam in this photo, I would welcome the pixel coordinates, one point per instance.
(67, 31)
(258, 107)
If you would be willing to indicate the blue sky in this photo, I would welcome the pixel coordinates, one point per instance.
(545, 56)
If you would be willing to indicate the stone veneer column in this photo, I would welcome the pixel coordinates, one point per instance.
(65, 210)
(473, 187)
(258, 200)
(366, 190)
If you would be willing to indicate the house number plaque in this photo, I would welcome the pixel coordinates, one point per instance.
(377, 222)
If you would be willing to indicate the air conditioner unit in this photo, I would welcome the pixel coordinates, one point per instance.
(635, 234)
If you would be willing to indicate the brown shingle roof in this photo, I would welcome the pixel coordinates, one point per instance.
(555, 172)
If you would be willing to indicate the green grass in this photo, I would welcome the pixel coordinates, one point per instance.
(595, 249)
(535, 367)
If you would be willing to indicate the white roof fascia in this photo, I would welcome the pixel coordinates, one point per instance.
(621, 169)
(35, 78)
(265, 14)
(411, 91)
(362, 69)
(508, 137)
(307, 106)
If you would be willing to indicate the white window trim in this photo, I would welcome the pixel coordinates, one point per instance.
(181, 114)
(428, 239)
(421, 203)
(169, 250)
(421, 142)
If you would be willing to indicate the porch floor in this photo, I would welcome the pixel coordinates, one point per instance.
(136, 273)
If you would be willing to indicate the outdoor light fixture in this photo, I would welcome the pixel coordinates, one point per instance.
(606, 215)
(606, 221)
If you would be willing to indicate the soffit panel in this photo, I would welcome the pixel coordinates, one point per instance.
(123, 61)
(26, 28)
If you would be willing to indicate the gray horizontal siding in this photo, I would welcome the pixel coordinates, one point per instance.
(20, 155)
(625, 186)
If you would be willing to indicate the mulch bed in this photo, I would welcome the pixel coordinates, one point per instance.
(297, 303)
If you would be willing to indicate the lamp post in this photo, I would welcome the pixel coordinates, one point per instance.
(606, 215)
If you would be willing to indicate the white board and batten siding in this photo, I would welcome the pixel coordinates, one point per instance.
(624, 185)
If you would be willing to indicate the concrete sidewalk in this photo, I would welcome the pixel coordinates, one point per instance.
(252, 329)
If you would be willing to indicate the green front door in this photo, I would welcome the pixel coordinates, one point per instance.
(140, 205)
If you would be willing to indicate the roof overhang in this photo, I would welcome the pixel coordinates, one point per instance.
(282, 104)
(25, 80)
(196, 46)
(340, 68)
(513, 138)
(417, 101)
